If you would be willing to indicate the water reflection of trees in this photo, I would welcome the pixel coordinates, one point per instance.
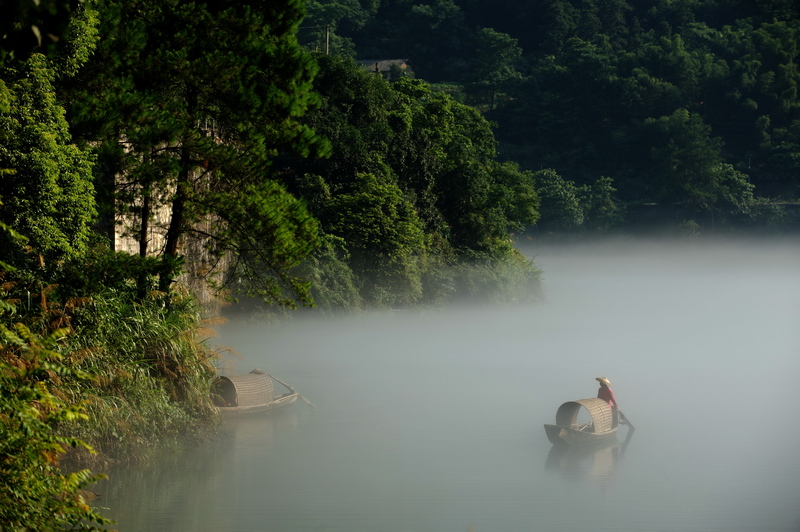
(594, 464)
(183, 488)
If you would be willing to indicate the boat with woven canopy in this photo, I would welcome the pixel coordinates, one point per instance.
(253, 392)
(568, 431)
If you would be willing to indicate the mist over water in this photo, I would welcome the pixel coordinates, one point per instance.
(432, 421)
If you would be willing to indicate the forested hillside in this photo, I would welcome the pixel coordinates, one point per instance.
(690, 103)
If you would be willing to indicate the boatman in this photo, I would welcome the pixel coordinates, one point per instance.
(605, 392)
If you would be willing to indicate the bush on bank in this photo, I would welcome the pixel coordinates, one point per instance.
(151, 373)
(88, 377)
(34, 492)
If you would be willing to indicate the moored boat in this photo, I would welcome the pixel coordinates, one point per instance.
(253, 392)
(567, 431)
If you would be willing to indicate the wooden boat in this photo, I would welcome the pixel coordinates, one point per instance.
(254, 392)
(566, 431)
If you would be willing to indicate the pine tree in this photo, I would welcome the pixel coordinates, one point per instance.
(191, 103)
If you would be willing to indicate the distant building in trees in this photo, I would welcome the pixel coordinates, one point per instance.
(390, 69)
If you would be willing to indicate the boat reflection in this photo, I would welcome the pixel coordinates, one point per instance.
(262, 427)
(595, 463)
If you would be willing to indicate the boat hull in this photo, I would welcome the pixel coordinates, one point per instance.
(560, 435)
(277, 404)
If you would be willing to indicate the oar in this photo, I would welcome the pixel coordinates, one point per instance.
(309, 403)
(625, 419)
(626, 442)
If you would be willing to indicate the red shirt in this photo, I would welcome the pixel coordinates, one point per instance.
(607, 395)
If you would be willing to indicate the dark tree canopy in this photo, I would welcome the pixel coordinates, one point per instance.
(191, 103)
(596, 77)
(412, 183)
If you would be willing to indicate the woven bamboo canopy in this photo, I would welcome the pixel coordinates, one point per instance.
(252, 389)
(602, 415)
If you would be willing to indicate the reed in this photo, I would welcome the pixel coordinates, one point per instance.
(151, 373)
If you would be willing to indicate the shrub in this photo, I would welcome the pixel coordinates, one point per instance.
(34, 493)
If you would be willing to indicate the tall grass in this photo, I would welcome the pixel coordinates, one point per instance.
(151, 373)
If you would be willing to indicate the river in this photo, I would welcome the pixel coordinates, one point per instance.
(432, 421)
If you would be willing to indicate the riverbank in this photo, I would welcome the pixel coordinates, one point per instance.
(89, 382)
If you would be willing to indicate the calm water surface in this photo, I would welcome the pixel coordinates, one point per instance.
(432, 421)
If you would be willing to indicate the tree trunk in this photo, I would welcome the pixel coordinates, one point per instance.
(145, 226)
(179, 201)
(176, 224)
(141, 282)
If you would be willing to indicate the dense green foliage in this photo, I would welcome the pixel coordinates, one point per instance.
(49, 196)
(412, 189)
(186, 121)
(188, 104)
(126, 375)
(151, 373)
(35, 493)
(69, 373)
(676, 102)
